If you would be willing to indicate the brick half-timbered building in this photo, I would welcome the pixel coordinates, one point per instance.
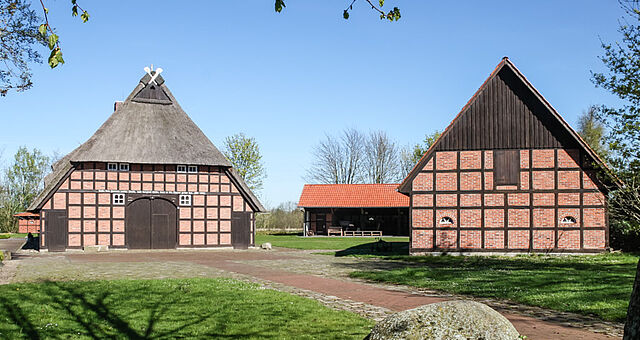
(508, 174)
(147, 178)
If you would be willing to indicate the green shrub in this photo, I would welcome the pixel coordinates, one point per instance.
(624, 235)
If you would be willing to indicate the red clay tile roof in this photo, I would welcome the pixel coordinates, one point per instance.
(352, 196)
(26, 214)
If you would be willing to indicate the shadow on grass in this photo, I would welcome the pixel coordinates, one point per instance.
(92, 313)
(592, 285)
(378, 248)
(155, 309)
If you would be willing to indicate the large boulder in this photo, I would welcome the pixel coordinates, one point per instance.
(446, 320)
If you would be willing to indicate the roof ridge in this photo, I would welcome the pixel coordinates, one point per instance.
(495, 71)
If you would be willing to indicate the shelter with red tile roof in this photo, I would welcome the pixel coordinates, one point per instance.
(354, 210)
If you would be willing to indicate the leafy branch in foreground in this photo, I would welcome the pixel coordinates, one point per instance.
(52, 39)
(18, 38)
(392, 15)
(21, 35)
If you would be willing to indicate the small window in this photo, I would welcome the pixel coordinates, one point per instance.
(446, 220)
(181, 168)
(193, 168)
(118, 199)
(124, 166)
(185, 199)
(568, 220)
(112, 166)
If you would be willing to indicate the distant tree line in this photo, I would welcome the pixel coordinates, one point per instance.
(20, 182)
(285, 217)
(353, 157)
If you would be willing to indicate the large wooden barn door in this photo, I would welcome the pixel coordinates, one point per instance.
(56, 229)
(151, 224)
(163, 224)
(138, 224)
(240, 230)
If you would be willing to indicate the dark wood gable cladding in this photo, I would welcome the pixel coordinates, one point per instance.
(152, 93)
(505, 115)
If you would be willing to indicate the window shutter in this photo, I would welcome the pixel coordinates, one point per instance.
(506, 167)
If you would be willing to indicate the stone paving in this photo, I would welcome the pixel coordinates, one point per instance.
(286, 270)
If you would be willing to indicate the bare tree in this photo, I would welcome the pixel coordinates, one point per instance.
(406, 161)
(382, 162)
(338, 160)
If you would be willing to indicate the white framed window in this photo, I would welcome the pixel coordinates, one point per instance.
(181, 168)
(185, 199)
(112, 166)
(124, 166)
(568, 220)
(446, 220)
(118, 199)
(193, 168)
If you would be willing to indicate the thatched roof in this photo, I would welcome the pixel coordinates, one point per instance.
(150, 130)
(149, 127)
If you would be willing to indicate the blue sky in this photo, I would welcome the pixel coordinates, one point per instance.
(287, 79)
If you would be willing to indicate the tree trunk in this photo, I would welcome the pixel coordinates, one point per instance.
(632, 326)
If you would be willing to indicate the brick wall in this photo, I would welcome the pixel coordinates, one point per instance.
(456, 205)
(28, 225)
(93, 218)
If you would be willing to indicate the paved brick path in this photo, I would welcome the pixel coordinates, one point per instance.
(323, 278)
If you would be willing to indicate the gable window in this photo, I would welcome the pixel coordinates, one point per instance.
(185, 199)
(124, 166)
(181, 168)
(568, 220)
(118, 199)
(112, 166)
(446, 220)
(193, 168)
(506, 167)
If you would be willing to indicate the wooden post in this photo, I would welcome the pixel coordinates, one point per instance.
(632, 326)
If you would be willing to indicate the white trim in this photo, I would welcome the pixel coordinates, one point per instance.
(179, 166)
(118, 199)
(115, 166)
(184, 200)
(123, 167)
(192, 169)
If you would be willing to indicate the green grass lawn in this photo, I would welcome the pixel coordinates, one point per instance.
(598, 285)
(172, 308)
(15, 235)
(328, 243)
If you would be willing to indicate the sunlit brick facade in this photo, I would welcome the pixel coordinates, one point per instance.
(93, 218)
(523, 217)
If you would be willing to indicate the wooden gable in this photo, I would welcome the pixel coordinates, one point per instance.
(506, 112)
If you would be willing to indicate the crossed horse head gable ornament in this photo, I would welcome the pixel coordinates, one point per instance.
(152, 74)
